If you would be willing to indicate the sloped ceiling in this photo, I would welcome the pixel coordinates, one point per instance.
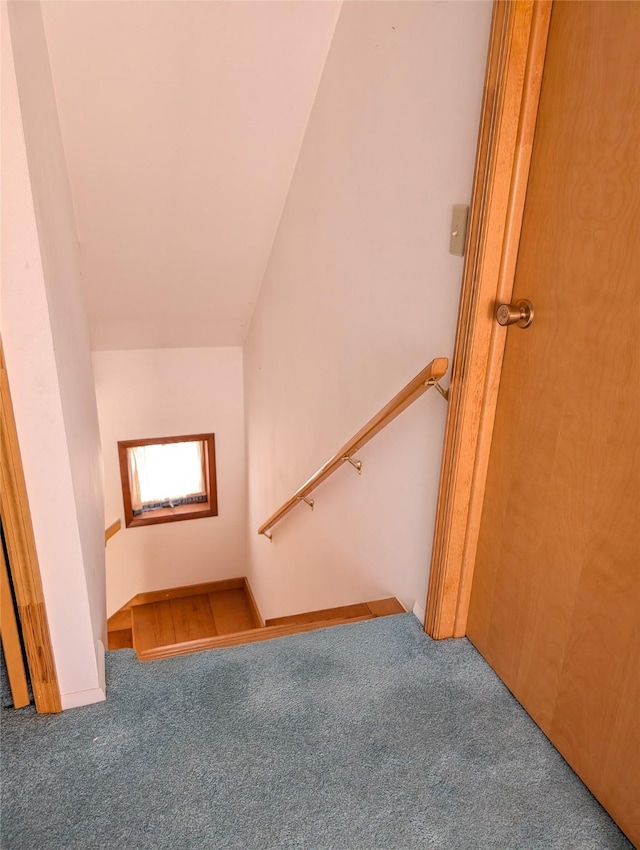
(181, 122)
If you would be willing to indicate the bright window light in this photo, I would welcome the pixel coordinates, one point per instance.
(169, 472)
(168, 479)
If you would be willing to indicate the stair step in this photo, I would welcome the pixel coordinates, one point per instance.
(180, 620)
(191, 618)
(120, 639)
(250, 636)
(232, 611)
(385, 607)
(153, 640)
(120, 620)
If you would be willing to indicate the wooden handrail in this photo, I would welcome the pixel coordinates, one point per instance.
(114, 528)
(414, 389)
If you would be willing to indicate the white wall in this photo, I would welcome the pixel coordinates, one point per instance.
(182, 124)
(46, 339)
(360, 293)
(161, 393)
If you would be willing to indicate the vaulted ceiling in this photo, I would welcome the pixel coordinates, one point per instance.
(182, 122)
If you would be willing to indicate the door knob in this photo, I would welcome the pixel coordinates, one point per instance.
(520, 314)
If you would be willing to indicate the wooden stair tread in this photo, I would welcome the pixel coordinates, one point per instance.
(186, 619)
(232, 611)
(172, 621)
(251, 636)
(120, 639)
(294, 625)
(161, 624)
(192, 617)
(385, 607)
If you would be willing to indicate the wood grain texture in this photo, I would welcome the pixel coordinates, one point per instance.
(120, 620)
(120, 639)
(180, 626)
(385, 607)
(152, 625)
(340, 613)
(10, 634)
(177, 592)
(412, 391)
(23, 559)
(232, 611)
(173, 621)
(186, 618)
(555, 606)
(512, 85)
(250, 636)
(192, 616)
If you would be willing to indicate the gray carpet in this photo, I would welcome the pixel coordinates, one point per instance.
(361, 737)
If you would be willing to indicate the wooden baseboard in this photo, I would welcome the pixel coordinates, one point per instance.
(176, 593)
(385, 607)
(344, 612)
(377, 608)
(254, 605)
(120, 620)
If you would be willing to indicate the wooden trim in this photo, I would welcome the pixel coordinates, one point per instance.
(413, 390)
(23, 559)
(173, 593)
(249, 636)
(196, 510)
(342, 612)
(385, 607)
(119, 621)
(253, 604)
(376, 608)
(10, 634)
(281, 627)
(512, 87)
(120, 639)
(114, 528)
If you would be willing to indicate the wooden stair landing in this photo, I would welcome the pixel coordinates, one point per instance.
(190, 619)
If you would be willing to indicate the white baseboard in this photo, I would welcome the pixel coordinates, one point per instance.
(420, 612)
(77, 698)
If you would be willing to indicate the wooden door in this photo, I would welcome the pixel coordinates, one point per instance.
(555, 604)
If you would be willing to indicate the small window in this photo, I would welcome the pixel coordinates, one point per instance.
(168, 479)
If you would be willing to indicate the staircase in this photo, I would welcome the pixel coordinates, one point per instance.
(181, 620)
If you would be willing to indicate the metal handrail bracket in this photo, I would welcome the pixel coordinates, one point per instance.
(424, 380)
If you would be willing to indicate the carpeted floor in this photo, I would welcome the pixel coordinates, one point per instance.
(360, 737)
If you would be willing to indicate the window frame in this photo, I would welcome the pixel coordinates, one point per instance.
(194, 510)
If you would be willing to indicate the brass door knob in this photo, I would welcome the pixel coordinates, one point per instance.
(520, 314)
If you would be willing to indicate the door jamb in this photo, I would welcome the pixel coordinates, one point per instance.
(23, 559)
(517, 46)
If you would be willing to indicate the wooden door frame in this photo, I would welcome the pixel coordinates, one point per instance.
(517, 47)
(23, 559)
